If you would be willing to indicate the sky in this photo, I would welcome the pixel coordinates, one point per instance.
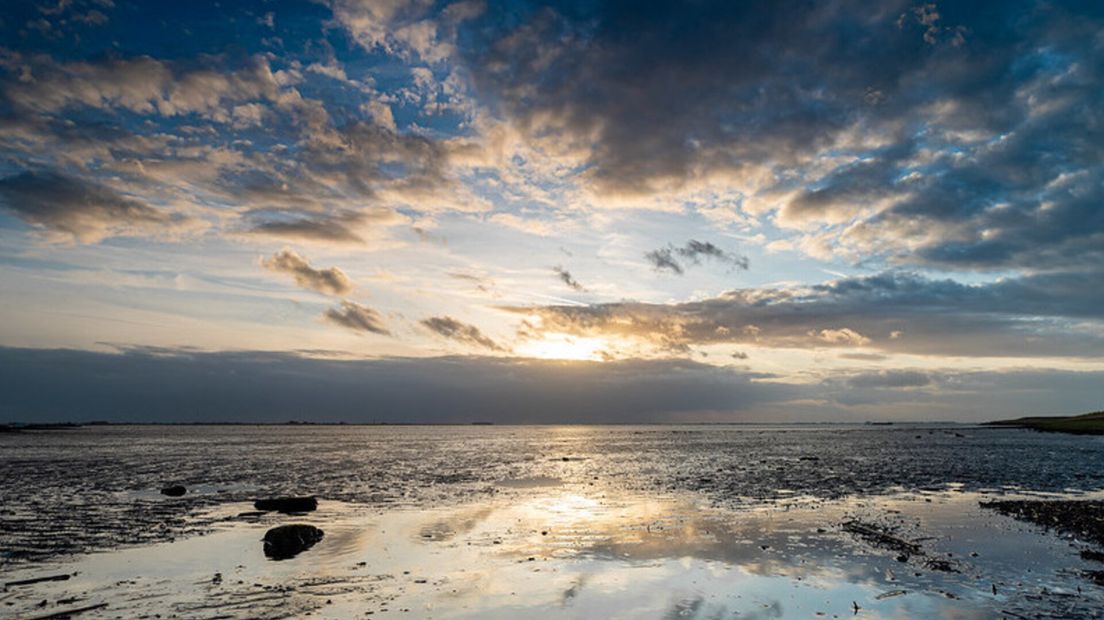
(419, 211)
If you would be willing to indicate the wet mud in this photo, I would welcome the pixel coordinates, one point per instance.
(552, 522)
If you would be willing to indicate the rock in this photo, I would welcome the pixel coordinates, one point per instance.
(287, 541)
(175, 490)
(287, 504)
(1092, 555)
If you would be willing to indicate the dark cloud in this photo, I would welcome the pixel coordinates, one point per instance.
(692, 252)
(952, 135)
(84, 211)
(671, 90)
(452, 329)
(568, 279)
(331, 281)
(1041, 315)
(340, 228)
(164, 385)
(357, 317)
(890, 379)
(663, 259)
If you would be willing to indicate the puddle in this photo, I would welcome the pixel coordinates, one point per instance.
(556, 552)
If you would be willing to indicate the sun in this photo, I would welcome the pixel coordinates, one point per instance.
(565, 347)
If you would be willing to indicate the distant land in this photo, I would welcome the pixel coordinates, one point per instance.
(1085, 424)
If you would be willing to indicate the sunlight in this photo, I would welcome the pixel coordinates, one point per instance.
(564, 347)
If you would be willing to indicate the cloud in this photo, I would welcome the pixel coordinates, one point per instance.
(219, 134)
(452, 329)
(404, 27)
(357, 317)
(329, 281)
(172, 385)
(165, 385)
(663, 258)
(531, 226)
(693, 252)
(142, 85)
(341, 227)
(566, 277)
(908, 133)
(324, 228)
(890, 379)
(844, 336)
(75, 209)
(1032, 316)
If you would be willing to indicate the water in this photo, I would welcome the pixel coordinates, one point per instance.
(576, 522)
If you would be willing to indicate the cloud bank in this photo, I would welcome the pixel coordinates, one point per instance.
(189, 386)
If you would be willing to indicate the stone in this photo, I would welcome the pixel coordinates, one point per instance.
(287, 541)
(287, 504)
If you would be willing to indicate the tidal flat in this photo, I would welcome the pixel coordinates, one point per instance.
(902, 521)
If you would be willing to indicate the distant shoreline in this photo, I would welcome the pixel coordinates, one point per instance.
(1084, 424)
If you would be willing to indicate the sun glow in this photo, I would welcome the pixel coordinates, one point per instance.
(565, 347)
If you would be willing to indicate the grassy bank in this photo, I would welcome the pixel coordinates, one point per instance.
(1086, 424)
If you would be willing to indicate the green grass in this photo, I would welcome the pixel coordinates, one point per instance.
(1086, 424)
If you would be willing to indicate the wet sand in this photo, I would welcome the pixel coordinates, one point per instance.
(571, 534)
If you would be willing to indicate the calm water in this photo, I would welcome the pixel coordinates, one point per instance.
(649, 521)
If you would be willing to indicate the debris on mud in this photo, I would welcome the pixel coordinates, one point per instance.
(175, 490)
(27, 582)
(881, 537)
(1081, 518)
(287, 541)
(69, 613)
(941, 565)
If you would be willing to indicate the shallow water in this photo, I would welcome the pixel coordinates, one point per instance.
(576, 522)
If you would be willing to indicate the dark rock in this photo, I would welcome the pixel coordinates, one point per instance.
(175, 490)
(1092, 555)
(287, 541)
(287, 504)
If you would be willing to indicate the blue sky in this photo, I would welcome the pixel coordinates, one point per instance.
(845, 210)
